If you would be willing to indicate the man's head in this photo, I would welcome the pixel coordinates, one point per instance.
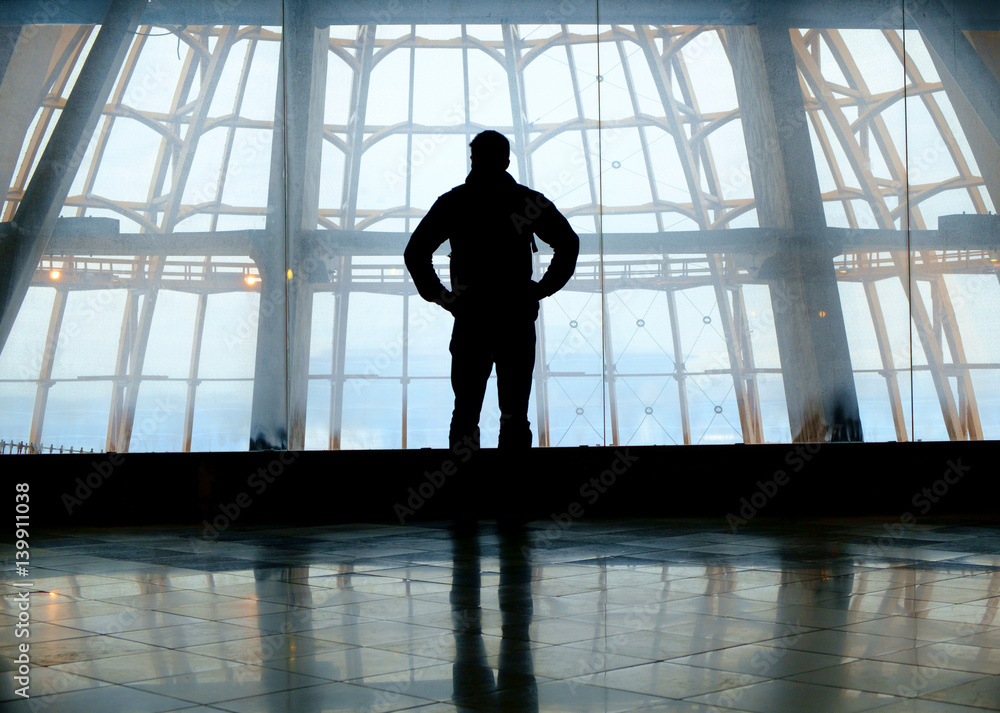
(490, 151)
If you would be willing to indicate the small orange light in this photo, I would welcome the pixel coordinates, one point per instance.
(55, 274)
(289, 273)
(822, 313)
(251, 280)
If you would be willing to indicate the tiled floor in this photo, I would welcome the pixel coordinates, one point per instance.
(685, 616)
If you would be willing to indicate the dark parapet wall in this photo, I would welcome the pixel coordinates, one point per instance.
(736, 484)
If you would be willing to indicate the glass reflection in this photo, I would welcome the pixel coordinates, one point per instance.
(514, 688)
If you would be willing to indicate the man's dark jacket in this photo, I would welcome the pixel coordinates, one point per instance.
(490, 221)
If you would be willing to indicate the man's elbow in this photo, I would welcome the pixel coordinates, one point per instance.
(573, 246)
(411, 258)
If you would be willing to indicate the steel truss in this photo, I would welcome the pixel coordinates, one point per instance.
(895, 201)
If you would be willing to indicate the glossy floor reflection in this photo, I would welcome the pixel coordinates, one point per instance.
(666, 615)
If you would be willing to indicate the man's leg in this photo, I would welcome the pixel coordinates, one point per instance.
(515, 360)
(471, 364)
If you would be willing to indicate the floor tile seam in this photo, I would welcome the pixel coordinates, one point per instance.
(301, 611)
(898, 694)
(884, 592)
(100, 598)
(513, 685)
(429, 664)
(260, 631)
(450, 657)
(878, 706)
(218, 657)
(458, 703)
(437, 627)
(446, 658)
(161, 650)
(979, 630)
(51, 592)
(200, 574)
(825, 611)
(760, 679)
(728, 645)
(194, 703)
(376, 690)
(844, 660)
(153, 607)
(920, 665)
(173, 648)
(442, 626)
(172, 608)
(943, 691)
(140, 628)
(35, 686)
(403, 640)
(93, 676)
(308, 581)
(42, 703)
(235, 665)
(82, 634)
(638, 662)
(985, 595)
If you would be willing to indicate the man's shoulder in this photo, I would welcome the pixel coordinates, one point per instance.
(455, 192)
(511, 192)
(534, 200)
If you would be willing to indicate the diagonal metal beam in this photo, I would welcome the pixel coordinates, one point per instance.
(956, 54)
(688, 159)
(51, 181)
(22, 90)
(888, 365)
(945, 317)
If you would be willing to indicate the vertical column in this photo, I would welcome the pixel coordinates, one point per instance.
(269, 409)
(349, 205)
(680, 376)
(285, 256)
(36, 216)
(812, 338)
(193, 381)
(306, 52)
(45, 374)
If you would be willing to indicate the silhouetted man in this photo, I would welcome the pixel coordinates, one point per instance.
(491, 221)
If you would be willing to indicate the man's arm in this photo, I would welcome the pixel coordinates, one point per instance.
(419, 254)
(553, 228)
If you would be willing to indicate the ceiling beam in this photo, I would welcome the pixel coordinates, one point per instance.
(843, 14)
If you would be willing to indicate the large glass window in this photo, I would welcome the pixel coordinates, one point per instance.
(786, 228)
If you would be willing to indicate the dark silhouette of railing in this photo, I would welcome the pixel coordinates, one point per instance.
(22, 448)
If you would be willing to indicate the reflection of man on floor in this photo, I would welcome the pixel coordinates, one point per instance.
(515, 688)
(491, 221)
